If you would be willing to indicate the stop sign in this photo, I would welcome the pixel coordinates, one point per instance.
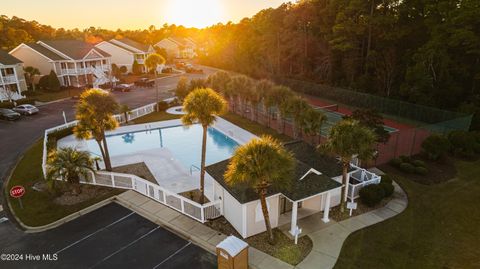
(17, 191)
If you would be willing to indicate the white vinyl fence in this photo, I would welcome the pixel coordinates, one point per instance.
(361, 178)
(135, 113)
(182, 204)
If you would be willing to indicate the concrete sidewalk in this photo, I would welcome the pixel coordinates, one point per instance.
(190, 229)
(327, 242)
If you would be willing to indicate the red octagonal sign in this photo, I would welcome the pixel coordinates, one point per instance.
(17, 191)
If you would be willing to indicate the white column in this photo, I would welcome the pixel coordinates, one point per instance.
(19, 91)
(346, 186)
(293, 225)
(326, 210)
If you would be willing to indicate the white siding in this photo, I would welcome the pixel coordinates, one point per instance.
(255, 225)
(120, 57)
(30, 57)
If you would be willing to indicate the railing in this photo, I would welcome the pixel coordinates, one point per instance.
(177, 202)
(194, 167)
(364, 178)
(135, 113)
(10, 79)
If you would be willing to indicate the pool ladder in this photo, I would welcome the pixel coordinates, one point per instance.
(148, 128)
(193, 167)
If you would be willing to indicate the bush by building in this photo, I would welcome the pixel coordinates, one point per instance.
(372, 194)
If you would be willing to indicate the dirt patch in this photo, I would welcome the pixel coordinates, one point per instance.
(284, 248)
(87, 192)
(438, 171)
(337, 215)
(138, 169)
(194, 195)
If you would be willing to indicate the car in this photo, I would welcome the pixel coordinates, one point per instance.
(123, 88)
(145, 82)
(8, 114)
(193, 70)
(26, 109)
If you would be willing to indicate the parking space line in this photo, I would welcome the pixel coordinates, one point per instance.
(171, 256)
(97, 231)
(126, 246)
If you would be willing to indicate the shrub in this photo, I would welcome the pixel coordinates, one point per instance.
(405, 159)
(419, 163)
(43, 83)
(407, 167)
(162, 106)
(23, 101)
(421, 170)
(6, 105)
(388, 187)
(435, 146)
(372, 194)
(30, 93)
(387, 178)
(396, 162)
(462, 143)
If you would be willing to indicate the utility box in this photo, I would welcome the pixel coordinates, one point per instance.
(232, 253)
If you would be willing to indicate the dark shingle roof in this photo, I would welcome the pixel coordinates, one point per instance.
(46, 52)
(321, 162)
(7, 59)
(134, 44)
(74, 49)
(310, 185)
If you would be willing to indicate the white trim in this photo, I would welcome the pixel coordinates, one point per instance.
(311, 170)
(90, 52)
(28, 47)
(126, 45)
(244, 220)
(116, 45)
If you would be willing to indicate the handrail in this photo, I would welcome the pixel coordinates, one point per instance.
(194, 166)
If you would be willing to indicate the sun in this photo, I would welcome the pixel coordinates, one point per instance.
(193, 13)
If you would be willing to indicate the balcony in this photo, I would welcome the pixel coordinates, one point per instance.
(10, 79)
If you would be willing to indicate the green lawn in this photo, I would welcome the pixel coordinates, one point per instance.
(38, 207)
(156, 116)
(43, 96)
(253, 127)
(439, 229)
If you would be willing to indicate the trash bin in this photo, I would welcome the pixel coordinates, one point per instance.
(232, 253)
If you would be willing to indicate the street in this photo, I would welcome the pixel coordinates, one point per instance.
(18, 136)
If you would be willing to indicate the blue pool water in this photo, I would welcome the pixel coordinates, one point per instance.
(184, 143)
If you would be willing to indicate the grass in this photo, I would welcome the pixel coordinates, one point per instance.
(254, 128)
(43, 96)
(439, 228)
(156, 116)
(38, 207)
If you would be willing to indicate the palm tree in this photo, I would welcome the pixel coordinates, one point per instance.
(238, 88)
(348, 138)
(125, 110)
(311, 123)
(95, 111)
(152, 62)
(260, 164)
(30, 73)
(220, 82)
(69, 165)
(202, 105)
(297, 107)
(283, 95)
(264, 90)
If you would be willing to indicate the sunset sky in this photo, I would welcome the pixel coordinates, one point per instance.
(134, 14)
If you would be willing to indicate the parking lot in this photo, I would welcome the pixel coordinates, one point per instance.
(109, 237)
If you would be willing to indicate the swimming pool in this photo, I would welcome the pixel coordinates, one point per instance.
(185, 143)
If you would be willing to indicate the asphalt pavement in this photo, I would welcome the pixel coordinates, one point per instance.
(109, 237)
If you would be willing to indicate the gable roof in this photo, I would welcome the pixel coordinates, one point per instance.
(7, 59)
(132, 43)
(74, 49)
(299, 189)
(307, 154)
(45, 52)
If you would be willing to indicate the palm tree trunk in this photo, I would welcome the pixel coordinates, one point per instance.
(345, 185)
(99, 142)
(266, 216)
(108, 164)
(202, 167)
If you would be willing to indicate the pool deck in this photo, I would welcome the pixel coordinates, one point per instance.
(168, 171)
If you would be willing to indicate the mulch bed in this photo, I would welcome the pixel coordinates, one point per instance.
(194, 195)
(87, 192)
(337, 215)
(438, 171)
(284, 248)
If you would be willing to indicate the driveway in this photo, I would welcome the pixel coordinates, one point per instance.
(16, 137)
(109, 237)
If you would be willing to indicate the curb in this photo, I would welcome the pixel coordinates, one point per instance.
(52, 102)
(37, 229)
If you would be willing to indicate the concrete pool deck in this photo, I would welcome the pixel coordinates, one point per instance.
(169, 172)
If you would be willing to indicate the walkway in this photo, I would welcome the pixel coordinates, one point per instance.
(328, 240)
